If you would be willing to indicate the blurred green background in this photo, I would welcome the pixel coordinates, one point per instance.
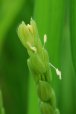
(56, 18)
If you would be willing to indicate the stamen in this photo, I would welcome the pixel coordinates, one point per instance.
(58, 72)
(45, 38)
(30, 28)
(32, 47)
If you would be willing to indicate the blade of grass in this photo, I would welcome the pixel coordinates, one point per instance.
(8, 12)
(73, 30)
(68, 74)
(72, 22)
(2, 110)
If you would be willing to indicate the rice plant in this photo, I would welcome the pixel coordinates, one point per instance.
(21, 91)
(38, 64)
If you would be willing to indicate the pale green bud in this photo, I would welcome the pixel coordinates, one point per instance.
(44, 91)
(46, 108)
(25, 35)
(28, 35)
(35, 30)
(36, 65)
(36, 75)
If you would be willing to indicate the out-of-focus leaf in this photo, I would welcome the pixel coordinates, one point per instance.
(72, 23)
(13, 66)
(73, 30)
(9, 9)
(49, 15)
(33, 101)
(67, 92)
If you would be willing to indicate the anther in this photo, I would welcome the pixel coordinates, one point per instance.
(45, 38)
(30, 28)
(32, 47)
(58, 72)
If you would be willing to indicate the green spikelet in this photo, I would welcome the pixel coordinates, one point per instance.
(38, 63)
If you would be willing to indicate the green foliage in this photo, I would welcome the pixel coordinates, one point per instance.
(14, 77)
(73, 29)
(9, 10)
(57, 19)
